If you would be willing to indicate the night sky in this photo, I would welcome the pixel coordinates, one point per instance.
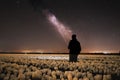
(24, 27)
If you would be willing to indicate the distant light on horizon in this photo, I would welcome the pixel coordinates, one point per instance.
(26, 51)
(104, 52)
(59, 51)
(32, 51)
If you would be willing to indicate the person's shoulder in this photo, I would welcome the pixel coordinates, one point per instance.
(78, 42)
(70, 41)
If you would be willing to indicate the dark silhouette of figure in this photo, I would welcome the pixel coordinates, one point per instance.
(74, 49)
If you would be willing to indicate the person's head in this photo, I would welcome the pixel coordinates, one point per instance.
(74, 36)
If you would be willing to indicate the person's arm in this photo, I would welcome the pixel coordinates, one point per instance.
(80, 46)
(69, 45)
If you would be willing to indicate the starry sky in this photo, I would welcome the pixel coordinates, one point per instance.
(24, 27)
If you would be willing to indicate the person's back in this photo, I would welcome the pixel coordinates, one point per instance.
(75, 48)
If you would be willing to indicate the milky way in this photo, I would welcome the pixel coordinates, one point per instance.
(63, 30)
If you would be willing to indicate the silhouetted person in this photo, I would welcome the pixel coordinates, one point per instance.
(74, 49)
